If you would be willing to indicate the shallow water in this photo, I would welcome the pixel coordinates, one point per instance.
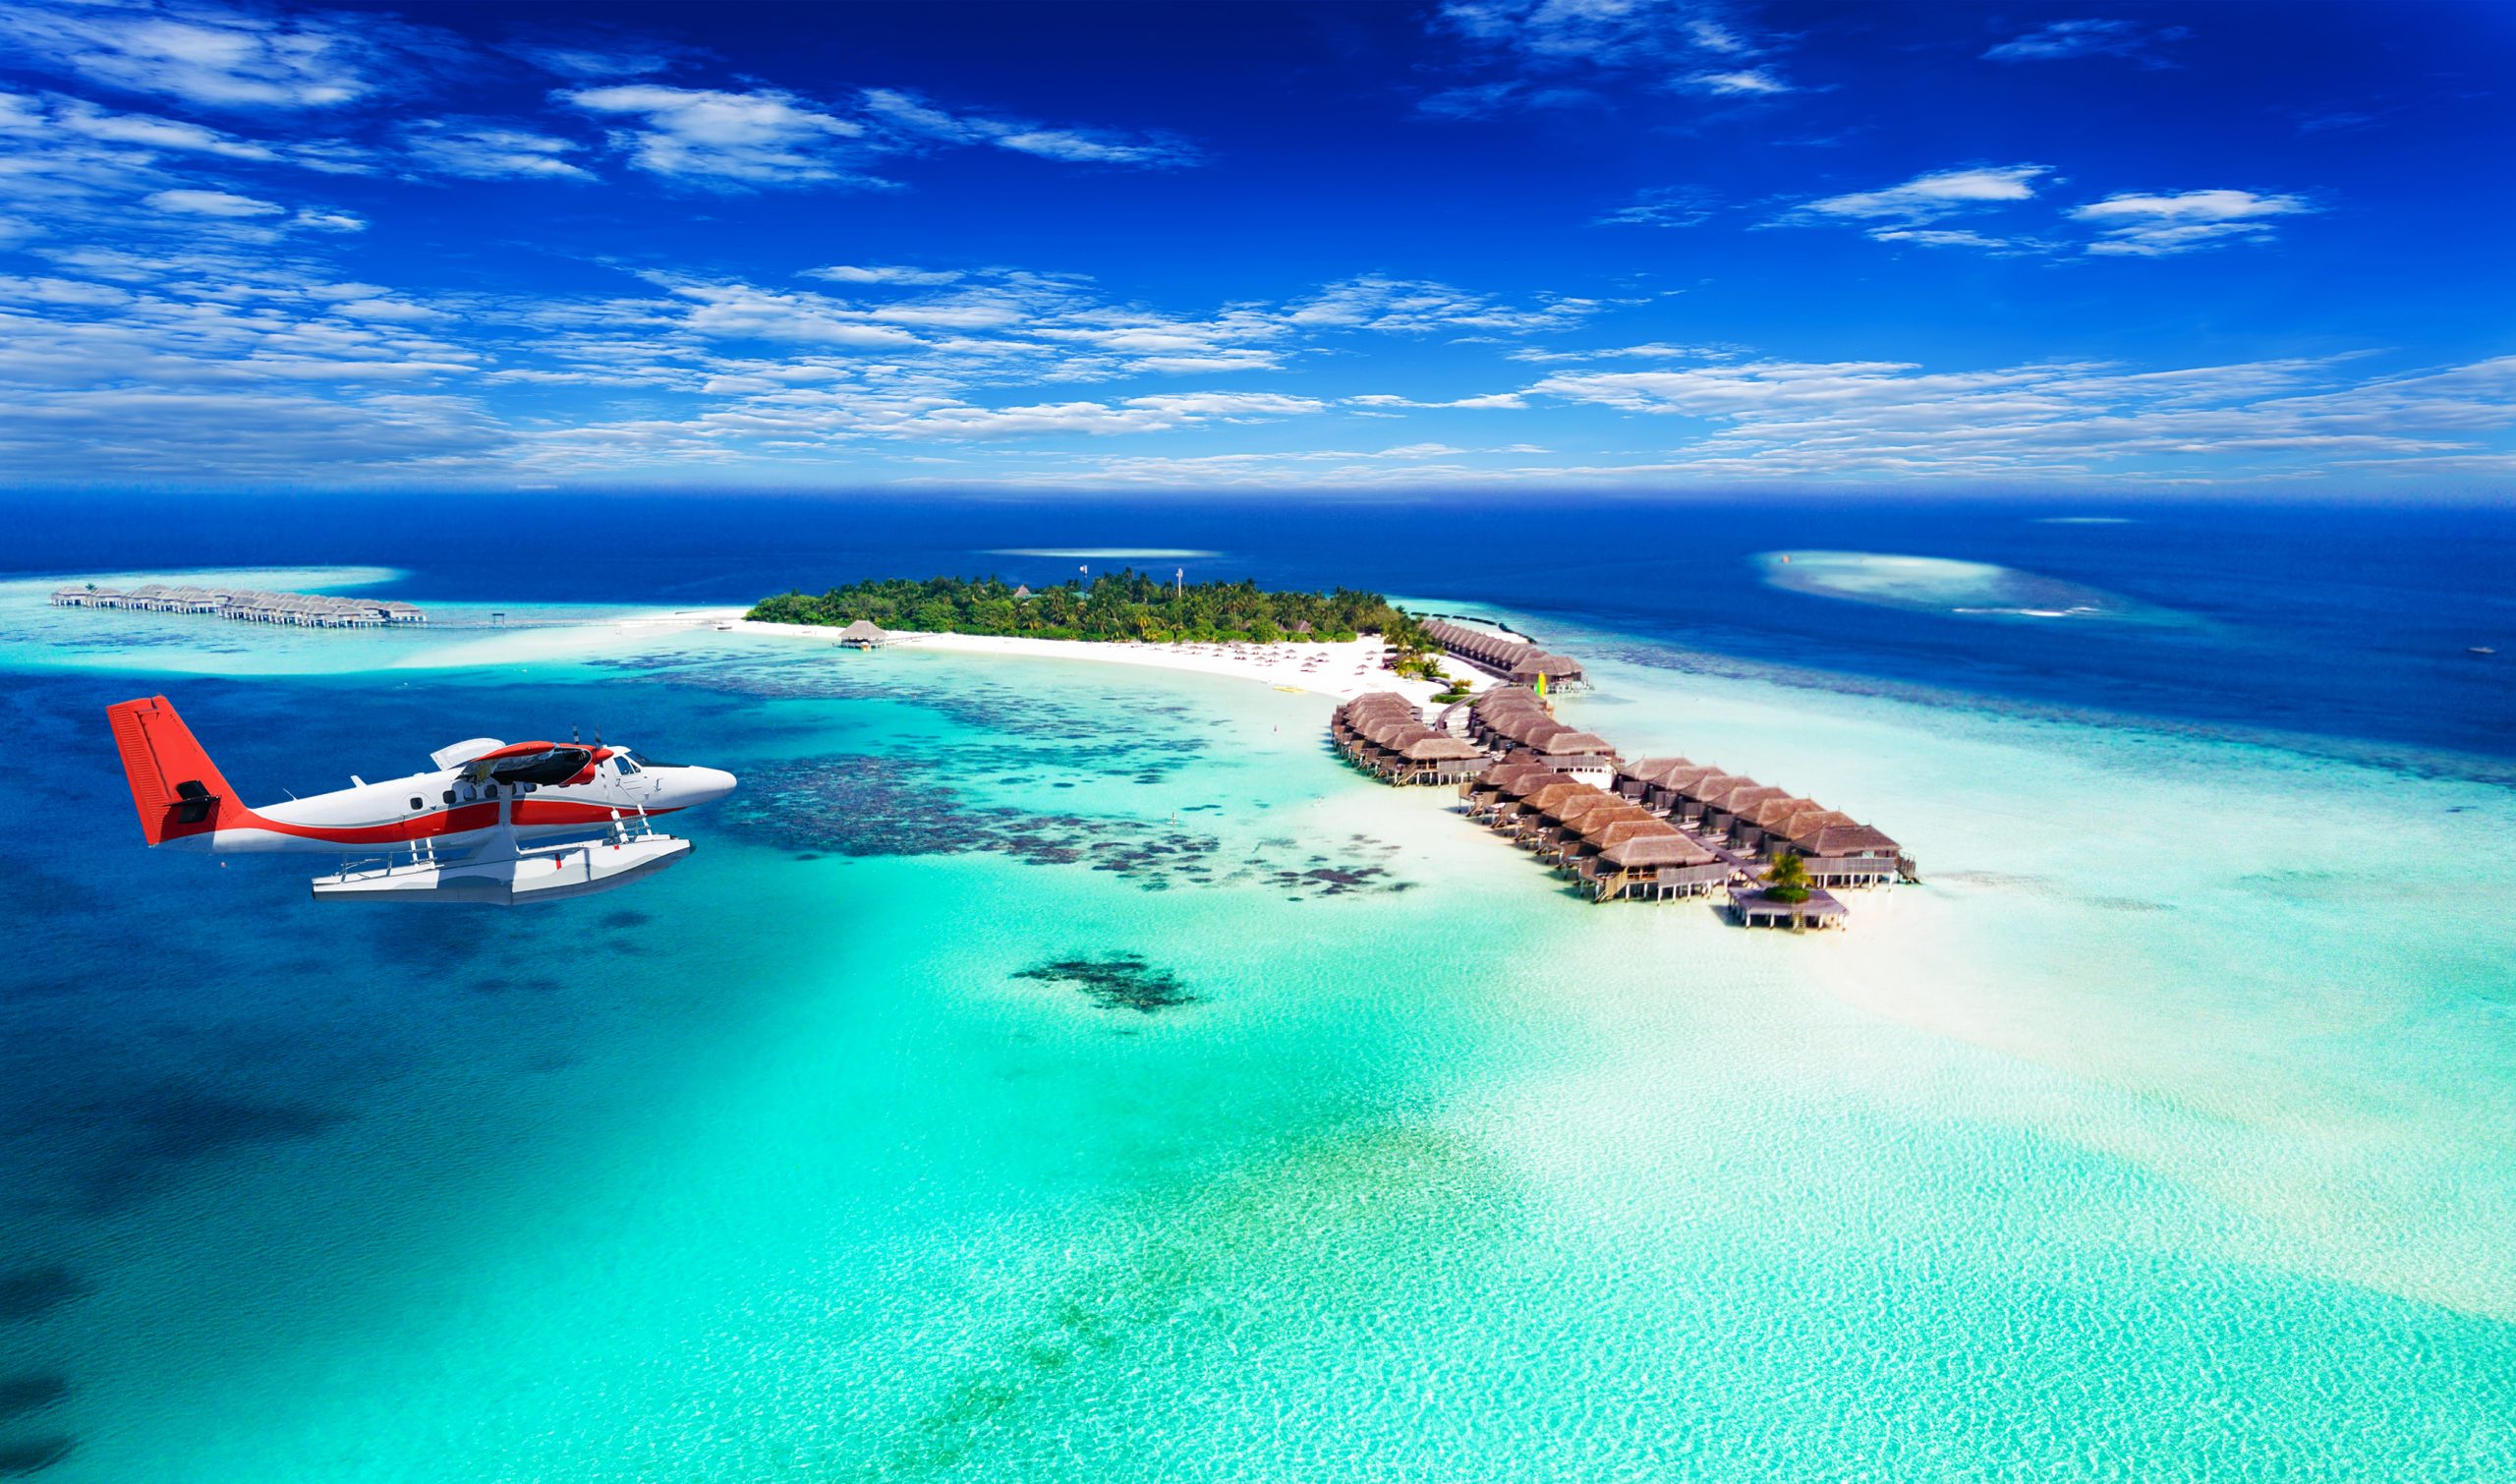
(2161, 1135)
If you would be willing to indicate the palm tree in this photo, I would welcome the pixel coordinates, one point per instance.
(1787, 880)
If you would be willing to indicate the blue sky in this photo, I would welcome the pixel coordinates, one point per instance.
(1608, 244)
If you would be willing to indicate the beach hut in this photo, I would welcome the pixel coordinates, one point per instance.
(1837, 852)
(1657, 866)
(863, 634)
(1759, 909)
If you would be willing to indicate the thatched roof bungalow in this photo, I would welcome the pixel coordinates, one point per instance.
(1500, 654)
(1385, 734)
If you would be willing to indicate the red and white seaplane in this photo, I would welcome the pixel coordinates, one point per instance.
(457, 834)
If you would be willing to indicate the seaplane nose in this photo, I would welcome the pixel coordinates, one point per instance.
(706, 785)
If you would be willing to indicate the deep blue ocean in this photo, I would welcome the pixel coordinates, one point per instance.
(2337, 621)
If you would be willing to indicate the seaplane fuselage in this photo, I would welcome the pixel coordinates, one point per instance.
(452, 809)
(478, 792)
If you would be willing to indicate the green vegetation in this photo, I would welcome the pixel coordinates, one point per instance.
(1118, 605)
(1787, 880)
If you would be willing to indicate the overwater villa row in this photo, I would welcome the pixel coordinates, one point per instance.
(1658, 829)
(1386, 735)
(1500, 654)
(245, 605)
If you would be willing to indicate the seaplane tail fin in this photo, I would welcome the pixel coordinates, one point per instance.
(177, 789)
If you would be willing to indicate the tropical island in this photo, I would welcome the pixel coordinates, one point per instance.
(1263, 631)
(1122, 607)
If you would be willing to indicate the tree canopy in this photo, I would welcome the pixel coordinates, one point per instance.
(1124, 604)
(1787, 880)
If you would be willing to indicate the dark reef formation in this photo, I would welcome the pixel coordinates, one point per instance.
(1116, 982)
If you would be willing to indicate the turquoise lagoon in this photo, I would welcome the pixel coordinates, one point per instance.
(2161, 1135)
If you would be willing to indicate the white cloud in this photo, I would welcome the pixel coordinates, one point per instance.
(739, 312)
(1758, 81)
(1604, 32)
(917, 117)
(1420, 307)
(486, 149)
(844, 273)
(1503, 401)
(216, 56)
(1664, 206)
(769, 136)
(1154, 414)
(1779, 418)
(1941, 237)
(2064, 39)
(329, 222)
(762, 138)
(1653, 351)
(78, 116)
(2142, 225)
(213, 203)
(592, 57)
(73, 129)
(1929, 197)
(1691, 45)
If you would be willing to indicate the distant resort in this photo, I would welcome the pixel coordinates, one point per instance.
(314, 611)
(1655, 829)
(1642, 829)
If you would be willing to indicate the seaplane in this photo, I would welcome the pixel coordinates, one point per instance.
(503, 822)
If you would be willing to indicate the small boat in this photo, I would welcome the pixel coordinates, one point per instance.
(2481, 649)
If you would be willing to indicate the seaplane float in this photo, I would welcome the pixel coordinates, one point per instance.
(503, 822)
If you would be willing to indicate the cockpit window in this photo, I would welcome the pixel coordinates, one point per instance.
(622, 765)
(642, 760)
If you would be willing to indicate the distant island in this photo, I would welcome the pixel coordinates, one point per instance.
(1117, 607)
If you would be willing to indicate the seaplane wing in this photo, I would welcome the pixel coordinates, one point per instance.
(496, 821)
(464, 751)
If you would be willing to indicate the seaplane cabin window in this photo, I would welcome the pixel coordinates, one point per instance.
(416, 804)
(449, 795)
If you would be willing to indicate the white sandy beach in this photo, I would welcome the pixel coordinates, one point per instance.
(1343, 670)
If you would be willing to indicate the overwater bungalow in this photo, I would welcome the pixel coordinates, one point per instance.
(1757, 823)
(1628, 830)
(864, 635)
(1512, 717)
(1503, 784)
(1757, 909)
(1500, 654)
(1723, 802)
(1385, 734)
(1691, 794)
(1847, 854)
(245, 605)
(1673, 792)
(1653, 867)
(1594, 828)
(1641, 780)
